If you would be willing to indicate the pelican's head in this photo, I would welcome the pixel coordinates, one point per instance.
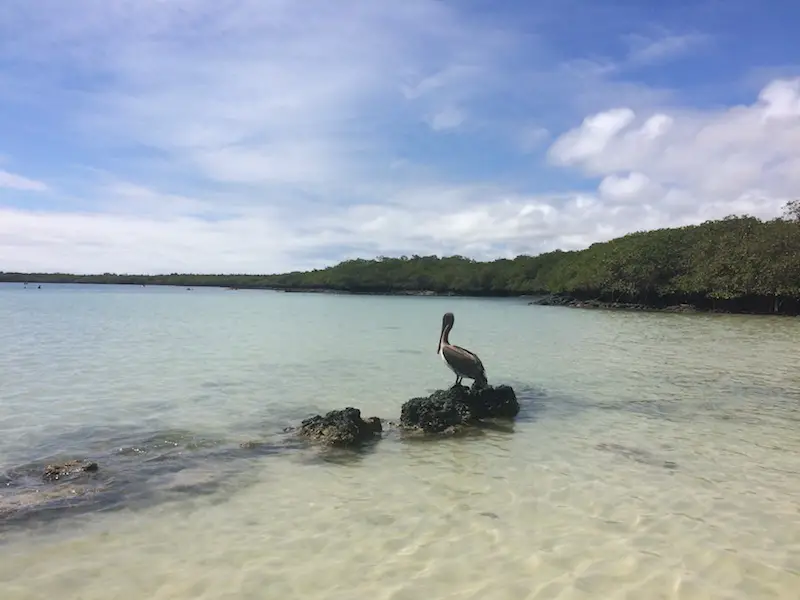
(447, 324)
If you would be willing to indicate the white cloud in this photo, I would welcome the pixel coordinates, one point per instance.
(648, 50)
(781, 99)
(18, 182)
(654, 170)
(479, 221)
(122, 197)
(102, 242)
(447, 118)
(268, 135)
(625, 188)
(255, 91)
(740, 158)
(592, 137)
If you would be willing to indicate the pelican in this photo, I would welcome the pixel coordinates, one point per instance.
(460, 360)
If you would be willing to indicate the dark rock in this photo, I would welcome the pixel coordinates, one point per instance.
(435, 414)
(341, 428)
(571, 302)
(681, 308)
(554, 300)
(446, 410)
(63, 470)
(494, 402)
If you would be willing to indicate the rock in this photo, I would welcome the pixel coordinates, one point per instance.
(341, 428)
(24, 504)
(684, 308)
(569, 301)
(494, 402)
(446, 410)
(63, 470)
(555, 300)
(437, 413)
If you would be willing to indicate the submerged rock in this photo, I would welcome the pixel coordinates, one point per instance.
(446, 410)
(636, 454)
(341, 428)
(27, 503)
(63, 470)
(36, 489)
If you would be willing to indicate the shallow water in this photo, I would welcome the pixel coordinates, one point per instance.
(656, 455)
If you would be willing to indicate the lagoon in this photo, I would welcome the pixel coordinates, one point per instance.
(655, 455)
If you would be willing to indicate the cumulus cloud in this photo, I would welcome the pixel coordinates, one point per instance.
(624, 188)
(742, 158)
(264, 135)
(592, 138)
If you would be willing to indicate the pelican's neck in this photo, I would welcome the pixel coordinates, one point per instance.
(445, 337)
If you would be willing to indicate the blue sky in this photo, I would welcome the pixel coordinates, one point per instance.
(267, 135)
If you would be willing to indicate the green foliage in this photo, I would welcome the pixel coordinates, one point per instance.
(736, 259)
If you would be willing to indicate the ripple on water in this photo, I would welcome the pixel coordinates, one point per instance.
(654, 456)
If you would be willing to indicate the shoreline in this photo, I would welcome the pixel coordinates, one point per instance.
(564, 300)
(568, 301)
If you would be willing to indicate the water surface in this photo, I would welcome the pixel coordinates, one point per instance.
(656, 455)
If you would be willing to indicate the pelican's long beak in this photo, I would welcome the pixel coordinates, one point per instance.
(441, 335)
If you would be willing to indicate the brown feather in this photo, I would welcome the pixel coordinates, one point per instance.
(464, 363)
(460, 360)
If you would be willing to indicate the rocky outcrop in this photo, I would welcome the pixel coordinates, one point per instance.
(569, 301)
(139, 470)
(341, 428)
(450, 409)
(59, 471)
(565, 300)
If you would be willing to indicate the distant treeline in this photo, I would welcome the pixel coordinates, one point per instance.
(736, 264)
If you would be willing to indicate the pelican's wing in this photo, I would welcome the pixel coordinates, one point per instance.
(464, 362)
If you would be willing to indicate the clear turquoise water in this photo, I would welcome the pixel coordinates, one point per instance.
(656, 455)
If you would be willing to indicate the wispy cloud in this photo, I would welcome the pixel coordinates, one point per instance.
(646, 50)
(263, 135)
(447, 118)
(18, 182)
(532, 137)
